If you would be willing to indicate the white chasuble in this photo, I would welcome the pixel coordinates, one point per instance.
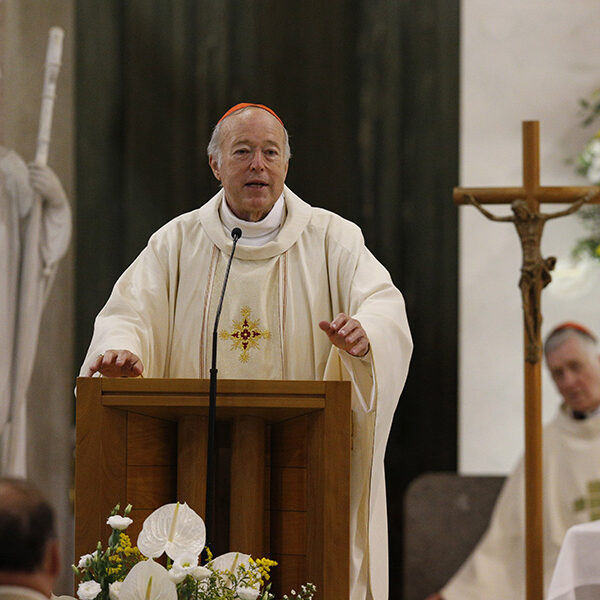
(163, 306)
(496, 568)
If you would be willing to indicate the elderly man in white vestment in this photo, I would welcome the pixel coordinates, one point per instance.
(35, 229)
(314, 302)
(29, 553)
(571, 448)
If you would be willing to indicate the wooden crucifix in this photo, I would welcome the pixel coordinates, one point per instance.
(535, 275)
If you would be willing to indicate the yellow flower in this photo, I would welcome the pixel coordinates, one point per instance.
(264, 566)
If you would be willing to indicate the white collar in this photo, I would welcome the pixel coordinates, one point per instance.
(254, 233)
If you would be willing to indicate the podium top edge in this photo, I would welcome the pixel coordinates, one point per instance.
(201, 386)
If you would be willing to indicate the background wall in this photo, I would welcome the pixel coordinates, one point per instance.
(519, 61)
(24, 26)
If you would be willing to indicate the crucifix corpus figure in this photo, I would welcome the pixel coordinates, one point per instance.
(529, 222)
(535, 270)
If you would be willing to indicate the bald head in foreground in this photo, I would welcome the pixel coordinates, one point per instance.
(306, 300)
(29, 555)
(571, 446)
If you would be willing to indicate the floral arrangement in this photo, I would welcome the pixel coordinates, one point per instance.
(126, 572)
(587, 163)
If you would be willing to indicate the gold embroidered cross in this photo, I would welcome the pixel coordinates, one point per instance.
(245, 335)
(592, 502)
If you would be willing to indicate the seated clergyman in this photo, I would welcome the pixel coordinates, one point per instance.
(571, 446)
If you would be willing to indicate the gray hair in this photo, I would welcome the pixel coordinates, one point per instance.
(214, 145)
(558, 336)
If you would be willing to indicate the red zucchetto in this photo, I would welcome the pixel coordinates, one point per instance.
(573, 325)
(246, 105)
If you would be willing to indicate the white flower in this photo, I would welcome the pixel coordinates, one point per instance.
(119, 522)
(86, 559)
(574, 278)
(148, 580)
(247, 593)
(176, 576)
(187, 564)
(88, 590)
(199, 573)
(594, 147)
(114, 589)
(593, 172)
(173, 528)
(183, 566)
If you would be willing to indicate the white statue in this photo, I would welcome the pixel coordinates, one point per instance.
(35, 229)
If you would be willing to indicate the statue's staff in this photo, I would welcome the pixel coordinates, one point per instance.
(32, 309)
(51, 70)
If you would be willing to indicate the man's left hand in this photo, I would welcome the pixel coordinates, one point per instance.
(346, 333)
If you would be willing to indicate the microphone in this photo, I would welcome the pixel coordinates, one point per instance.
(236, 234)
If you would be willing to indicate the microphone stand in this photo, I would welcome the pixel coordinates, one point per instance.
(236, 234)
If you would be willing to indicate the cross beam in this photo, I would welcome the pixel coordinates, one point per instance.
(535, 275)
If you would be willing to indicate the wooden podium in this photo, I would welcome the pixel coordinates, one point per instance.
(283, 467)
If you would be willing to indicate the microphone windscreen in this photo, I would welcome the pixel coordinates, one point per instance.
(236, 233)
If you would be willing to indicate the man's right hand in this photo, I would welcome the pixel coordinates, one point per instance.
(117, 363)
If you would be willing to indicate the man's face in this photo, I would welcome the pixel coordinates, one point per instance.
(576, 372)
(253, 165)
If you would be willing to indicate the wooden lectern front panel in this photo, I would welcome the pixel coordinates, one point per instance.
(151, 466)
(289, 501)
(143, 442)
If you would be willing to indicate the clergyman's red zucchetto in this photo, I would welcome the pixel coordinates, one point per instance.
(246, 105)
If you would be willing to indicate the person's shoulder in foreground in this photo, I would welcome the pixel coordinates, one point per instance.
(29, 555)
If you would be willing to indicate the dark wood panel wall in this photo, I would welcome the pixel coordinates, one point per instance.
(368, 90)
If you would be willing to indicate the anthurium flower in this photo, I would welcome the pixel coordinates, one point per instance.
(88, 590)
(148, 580)
(175, 529)
(231, 562)
(247, 593)
(114, 589)
(119, 522)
